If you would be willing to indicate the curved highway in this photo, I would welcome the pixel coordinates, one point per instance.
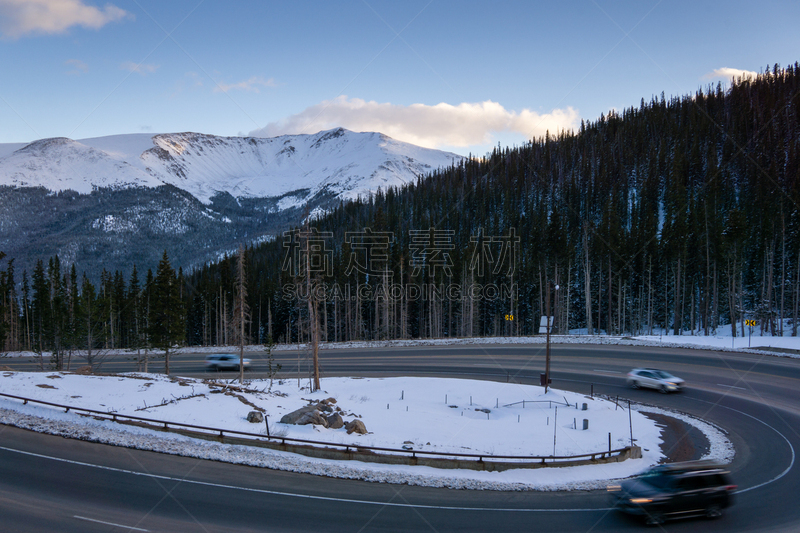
(53, 484)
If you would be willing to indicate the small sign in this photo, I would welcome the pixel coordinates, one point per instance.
(544, 323)
(750, 323)
(510, 317)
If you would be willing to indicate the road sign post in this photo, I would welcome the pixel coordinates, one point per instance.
(750, 324)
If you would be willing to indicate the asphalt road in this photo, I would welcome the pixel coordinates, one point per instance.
(54, 484)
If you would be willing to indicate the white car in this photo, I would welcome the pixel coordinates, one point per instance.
(654, 379)
(225, 361)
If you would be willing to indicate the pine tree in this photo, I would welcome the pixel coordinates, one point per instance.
(166, 326)
(88, 318)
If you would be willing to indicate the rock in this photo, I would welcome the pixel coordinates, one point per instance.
(335, 421)
(356, 426)
(294, 416)
(255, 417)
(325, 408)
(313, 417)
(330, 400)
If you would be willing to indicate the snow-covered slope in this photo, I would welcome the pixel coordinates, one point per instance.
(340, 162)
(60, 164)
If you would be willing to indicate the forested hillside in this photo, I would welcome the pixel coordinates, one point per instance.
(678, 214)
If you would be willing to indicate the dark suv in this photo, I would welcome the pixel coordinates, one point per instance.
(698, 488)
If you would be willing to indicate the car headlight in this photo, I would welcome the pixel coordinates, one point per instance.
(614, 488)
(641, 500)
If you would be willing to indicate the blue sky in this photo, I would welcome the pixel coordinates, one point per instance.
(456, 75)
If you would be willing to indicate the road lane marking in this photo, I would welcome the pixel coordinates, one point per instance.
(731, 386)
(791, 448)
(294, 495)
(109, 523)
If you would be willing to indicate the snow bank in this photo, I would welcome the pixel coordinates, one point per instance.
(762, 345)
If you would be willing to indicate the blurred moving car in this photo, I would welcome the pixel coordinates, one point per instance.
(225, 361)
(697, 488)
(655, 379)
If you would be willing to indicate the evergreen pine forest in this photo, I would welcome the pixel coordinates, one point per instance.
(680, 214)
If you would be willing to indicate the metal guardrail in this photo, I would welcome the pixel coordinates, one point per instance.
(551, 402)
(165, 424)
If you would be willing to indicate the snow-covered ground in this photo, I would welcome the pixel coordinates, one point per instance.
(434, 414)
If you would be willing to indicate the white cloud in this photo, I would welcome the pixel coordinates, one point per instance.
(465, 124)
(21, 17)
(726, 73)
(78, 67)
(139, 68)
(251, 85)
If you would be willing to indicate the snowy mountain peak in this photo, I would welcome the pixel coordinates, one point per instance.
(338, 161)
(59, 163)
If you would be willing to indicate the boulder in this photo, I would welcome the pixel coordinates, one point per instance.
(356, 426)
(335, 421)
(312, 417)
(255, 417)
(294, 416)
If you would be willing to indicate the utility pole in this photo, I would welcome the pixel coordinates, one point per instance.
(547, 351)
(242, 311)
(312, 315)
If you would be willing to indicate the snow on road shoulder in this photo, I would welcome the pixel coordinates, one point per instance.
(720, 450)
(785, 346)
(477, 417)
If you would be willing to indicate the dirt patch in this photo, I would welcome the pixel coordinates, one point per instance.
(45, 386)
(53, 376)
(682, 441)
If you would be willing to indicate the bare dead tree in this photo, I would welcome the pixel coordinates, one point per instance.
(241, 312)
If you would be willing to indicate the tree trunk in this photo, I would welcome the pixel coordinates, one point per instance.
(795, 315)
(676, 330)
(715, 305)
(783, 274)
(730, 272)
(610, 329)
(741, 300)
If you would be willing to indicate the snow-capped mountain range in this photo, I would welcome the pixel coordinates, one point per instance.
(193, 194)
(346, 163)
